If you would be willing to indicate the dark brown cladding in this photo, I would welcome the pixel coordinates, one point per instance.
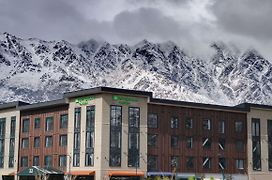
(55, 150)
(163, 150)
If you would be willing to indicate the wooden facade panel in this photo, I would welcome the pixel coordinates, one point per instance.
(55, 150)
(164, 151)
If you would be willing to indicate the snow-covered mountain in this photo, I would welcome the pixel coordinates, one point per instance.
(36, 70)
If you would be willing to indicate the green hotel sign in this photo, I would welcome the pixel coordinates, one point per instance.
(124, 99)
(84, 100)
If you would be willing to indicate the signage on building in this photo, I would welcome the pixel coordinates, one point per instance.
(84, 100)
(124, 99)
(30, 171)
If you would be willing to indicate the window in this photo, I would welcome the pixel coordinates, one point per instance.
(36, 142)
(174, 141)
(2, 127)
(76, 140)
(188, 123)
(152, 163)
(48, 141)
(77, 119)
(25, 125)
(49, 124)
(48, 161)
(206, 143)
(62, 160)
(89, 144)
(152, 140)
(36, 161)
(63, 140)
(206, 162)
(239, 163)
(239, 145)
(76, 160)
(63, 121)
(221, 144)
(11, 162)
(12, 126)
(256, 144)
(25, 143)
(190, 162)
(11, 152)
(115, 135)
(152, 121)
(174, 162)
(222, 163)
(37, 123)
(221, 127)
(189, 142)
(24, 161)
(174, 123)
(89, 159)
(1, 161)
(206, 124)
(238, 126)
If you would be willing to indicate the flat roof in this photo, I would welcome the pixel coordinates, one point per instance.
(252, 105)
(42, 105)
(102, 89)
(14, 104)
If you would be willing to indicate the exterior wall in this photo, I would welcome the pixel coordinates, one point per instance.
(8, 114)
(263, 115)
(164, 151)
(42, 151)
(102, 104)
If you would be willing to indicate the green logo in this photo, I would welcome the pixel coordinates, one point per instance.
(84, 100)
(124, 99)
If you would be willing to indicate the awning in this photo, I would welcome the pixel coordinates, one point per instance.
(35, 170)
(160, 174)
(81, 173)
(125, 173)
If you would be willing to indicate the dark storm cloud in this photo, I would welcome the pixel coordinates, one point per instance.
(245, 17)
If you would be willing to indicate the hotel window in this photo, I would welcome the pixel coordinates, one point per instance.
(239, 164)
(37, 123)
(36, 142)
(25, 127)
(256, 144)
(152, 121)
(174, 161)
(238, 126)
(133, 136)
(188, 123)
(174, 141)
(63, 121)
(49, 124)
(152, 140)
(1, 161)
(152, 163)
(24, 161)
(48, 161)
(76, 161)
(240, 146)
(12, 126)
(25, 142)
(48, 141)
(62, 161)
(222, 163)
(76, 147)
(174, 123)
(206, 143)
(36, 160)
(269, 133)
(63, 140)
(222, 144)
(115, 135)
(221, 127)
(190, 162)
(2, 140)
(189, 142)
(206, 124)
(11, 162)
(89, 144)
(206, 162)
(2, 146)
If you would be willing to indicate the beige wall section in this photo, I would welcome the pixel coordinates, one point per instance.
(8, 114)
(263, 115)
(102, 104)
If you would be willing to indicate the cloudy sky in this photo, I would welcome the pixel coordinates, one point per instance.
(193, 24)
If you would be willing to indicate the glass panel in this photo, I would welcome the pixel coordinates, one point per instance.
(12, 126)
(89, 159)
(37, 123)
(24, 161)
(62, 160)
(152, 121)
(36, 142)
(76, 160)
(207, 124)
(36, 161)
(238, 126)
(152, 140)
(188, 123)
(48, 141)
(190, 162)
(49, 124)
(25, 125)
(206, 163)
(174, 141)
(63, 140)
(48, 161)
(221, 127)
(206, 143)
(174, 123)
(152, 163)
(25, 143)
(64, 121)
